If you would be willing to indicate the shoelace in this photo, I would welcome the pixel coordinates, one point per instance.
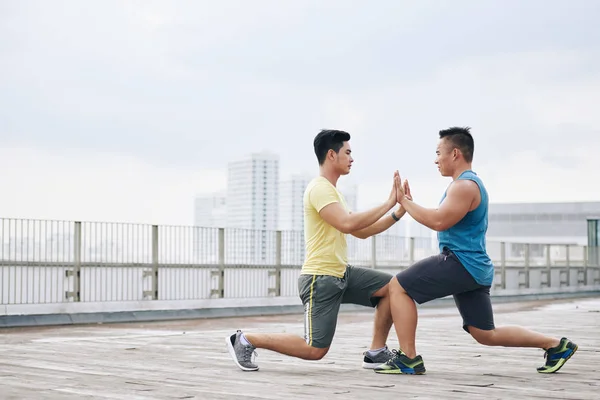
(388, 353)
(397, 353)
(249, 352)
(393, 354)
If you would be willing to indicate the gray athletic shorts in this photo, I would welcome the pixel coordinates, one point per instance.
(443, 275)
(322, 296)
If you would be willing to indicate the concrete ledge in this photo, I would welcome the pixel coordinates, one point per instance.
(146, 311)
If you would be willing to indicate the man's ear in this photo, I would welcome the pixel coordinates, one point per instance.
(331, 154)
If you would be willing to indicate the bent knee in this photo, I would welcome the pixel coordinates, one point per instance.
(316, 353)
(486, 338)
(394, 286)
(383, 292)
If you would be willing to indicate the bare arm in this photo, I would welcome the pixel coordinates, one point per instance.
(386, 222)
(335, 215)
(459, 198)
(382, 225)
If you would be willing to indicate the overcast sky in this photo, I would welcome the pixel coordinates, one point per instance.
(124, 111)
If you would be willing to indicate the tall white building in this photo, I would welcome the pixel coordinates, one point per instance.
(253, 207)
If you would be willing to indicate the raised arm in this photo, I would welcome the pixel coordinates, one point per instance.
(324, 200)
(335, 215)
(460, 198)
(386, 222)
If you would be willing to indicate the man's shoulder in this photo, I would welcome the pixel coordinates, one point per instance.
(319, 193)
(318, 180)
(319, 184)
(463, 186)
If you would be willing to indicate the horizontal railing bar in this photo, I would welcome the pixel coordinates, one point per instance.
(61, 264)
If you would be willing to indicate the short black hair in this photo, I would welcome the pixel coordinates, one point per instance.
(329, 139)
(461, 139)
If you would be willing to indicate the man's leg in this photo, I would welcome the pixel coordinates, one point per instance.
(383, 318)
(321, 296)
(369, 287)
(405, 316)
(476, 310)
(431, 278)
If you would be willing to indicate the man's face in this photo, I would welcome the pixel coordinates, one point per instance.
(342, 161)
(444, 157)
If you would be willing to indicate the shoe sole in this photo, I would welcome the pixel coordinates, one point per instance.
(564, 361)
(398, 372)
(367, 365)
(234, 357)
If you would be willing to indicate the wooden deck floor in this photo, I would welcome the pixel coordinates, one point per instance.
(189, 360)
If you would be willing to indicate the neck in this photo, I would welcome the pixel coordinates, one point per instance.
(460, 170)
(331, 176)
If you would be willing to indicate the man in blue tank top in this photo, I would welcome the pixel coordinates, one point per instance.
(463, 268)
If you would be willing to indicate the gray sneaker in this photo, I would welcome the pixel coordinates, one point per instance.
(372, 362)
(241, 354)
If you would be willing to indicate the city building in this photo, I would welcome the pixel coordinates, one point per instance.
(559, 223)
(253, 207)
(253, 192)
(539, 223)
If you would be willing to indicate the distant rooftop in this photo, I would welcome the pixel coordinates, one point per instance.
(584, 207)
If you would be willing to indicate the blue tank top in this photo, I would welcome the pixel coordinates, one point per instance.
(467, 240)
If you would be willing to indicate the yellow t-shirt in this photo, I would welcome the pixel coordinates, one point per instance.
(326, 248)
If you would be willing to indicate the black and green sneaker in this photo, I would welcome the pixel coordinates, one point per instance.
(557, 356)
(401, 364)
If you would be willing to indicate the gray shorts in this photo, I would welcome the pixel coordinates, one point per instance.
(443, 275)
(322, 296)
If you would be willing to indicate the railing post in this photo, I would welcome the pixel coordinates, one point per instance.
(412, 250)
(585, 265)
(373, 251)
(75, 294)
(568, 262)
(527, 263)
(277, 272)
(155, 262)
(153, 272)
(503, 264)
(548, 266)
(220, 273)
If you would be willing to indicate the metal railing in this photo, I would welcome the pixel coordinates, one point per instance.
(43, 262)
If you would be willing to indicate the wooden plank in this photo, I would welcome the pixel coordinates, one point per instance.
(188, 360)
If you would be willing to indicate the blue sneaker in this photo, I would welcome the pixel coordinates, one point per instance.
(557, 356)
(401, 364)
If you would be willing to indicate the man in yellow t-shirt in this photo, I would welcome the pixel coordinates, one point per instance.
(326, 280)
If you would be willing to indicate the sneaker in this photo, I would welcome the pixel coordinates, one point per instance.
(241, 354)
(371, 362)
(557, 356)
(401, 364)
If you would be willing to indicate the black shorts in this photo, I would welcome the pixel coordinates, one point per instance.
(443, 275)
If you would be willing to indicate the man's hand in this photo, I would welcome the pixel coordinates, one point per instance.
(400, 188)
(406, 189)
(393, 199)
